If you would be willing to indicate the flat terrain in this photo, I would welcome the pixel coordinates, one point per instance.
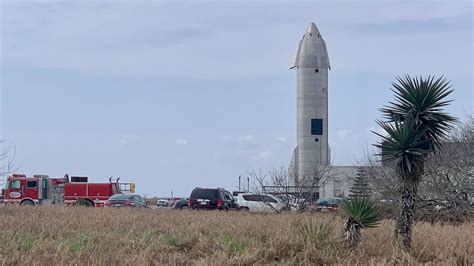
(60, 235)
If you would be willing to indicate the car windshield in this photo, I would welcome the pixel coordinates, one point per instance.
(204, 194)
(121, 197)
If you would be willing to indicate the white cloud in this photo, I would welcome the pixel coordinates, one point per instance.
(140, 38)
(245, 144)
(226, 139)
(181, 141)
(243, 140)
(127, 139)
(342, 133)
(246, 139)
(282, 139)
(263, 156)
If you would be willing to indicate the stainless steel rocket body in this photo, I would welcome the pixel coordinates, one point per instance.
(312, 63)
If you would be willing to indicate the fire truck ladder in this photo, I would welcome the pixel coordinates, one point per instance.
(122, 187)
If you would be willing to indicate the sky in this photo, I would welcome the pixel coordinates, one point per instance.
(174, 95)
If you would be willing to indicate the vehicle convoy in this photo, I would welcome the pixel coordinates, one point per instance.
(260, 203)
(212, 199)
(43, 190)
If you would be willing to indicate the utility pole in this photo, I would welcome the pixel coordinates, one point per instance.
(239, 181)
(248, 184)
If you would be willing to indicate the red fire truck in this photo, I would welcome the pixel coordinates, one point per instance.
(43, 190)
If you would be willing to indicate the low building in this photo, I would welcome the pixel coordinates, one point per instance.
(338, 182)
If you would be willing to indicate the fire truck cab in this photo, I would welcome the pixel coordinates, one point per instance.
(43, 190)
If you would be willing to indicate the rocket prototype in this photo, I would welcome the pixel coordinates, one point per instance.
(312, 64)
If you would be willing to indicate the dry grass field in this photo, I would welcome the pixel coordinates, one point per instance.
(60, 235)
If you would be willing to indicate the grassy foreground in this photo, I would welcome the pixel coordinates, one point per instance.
(60, 235)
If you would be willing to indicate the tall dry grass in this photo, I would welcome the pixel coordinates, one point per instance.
(60, 235)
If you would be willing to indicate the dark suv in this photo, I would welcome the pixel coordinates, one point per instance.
(212, 198)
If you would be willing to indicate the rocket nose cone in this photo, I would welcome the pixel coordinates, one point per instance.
(312, 29)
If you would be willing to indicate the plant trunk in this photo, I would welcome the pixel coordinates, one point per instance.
(407, 209)
(352, 232)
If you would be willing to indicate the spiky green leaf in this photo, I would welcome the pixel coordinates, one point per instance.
(404, 144)
(422, 100)
(364, 210)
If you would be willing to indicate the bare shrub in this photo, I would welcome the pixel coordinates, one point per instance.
(7, 156)
(294, 190)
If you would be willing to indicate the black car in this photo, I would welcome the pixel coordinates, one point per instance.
(212, 199)
(129, 200)
(328, 204)
(181, 204)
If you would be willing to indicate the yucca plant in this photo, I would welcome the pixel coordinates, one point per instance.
(313, 231)
(362, 213)
(415, 126)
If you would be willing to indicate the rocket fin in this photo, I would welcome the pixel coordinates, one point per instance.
(294, 61)
(328, 64)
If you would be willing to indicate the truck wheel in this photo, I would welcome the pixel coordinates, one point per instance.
(27, 203)
(245, 209)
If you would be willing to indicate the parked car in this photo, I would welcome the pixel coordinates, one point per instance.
(181, 204)
(212, 198)
(328, 204)
(236, 193)
(260, 203)
(128, 200)
(163, 203)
